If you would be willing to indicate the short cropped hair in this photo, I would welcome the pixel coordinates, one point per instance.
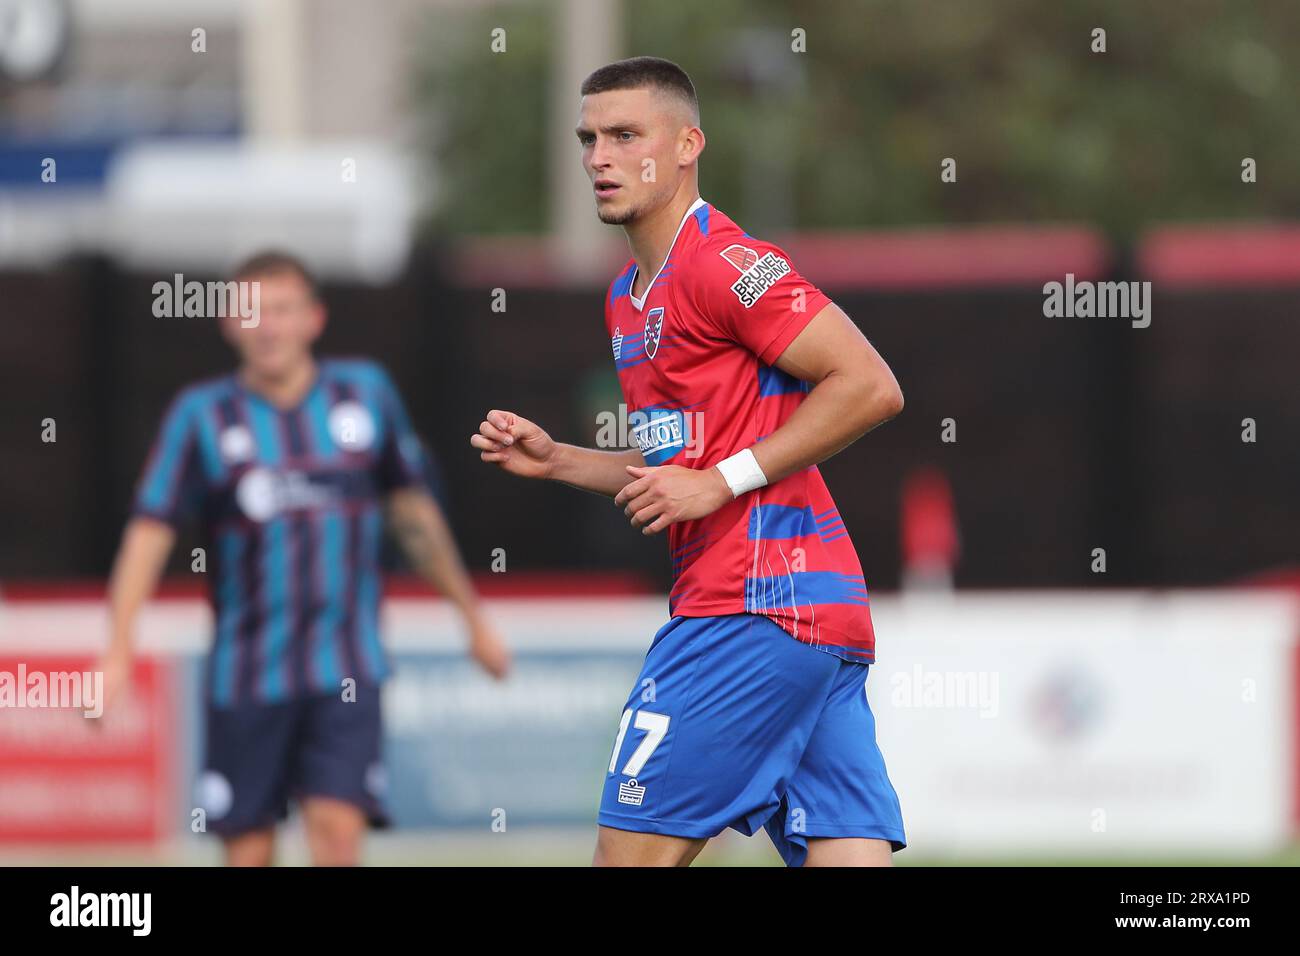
(641, 72)
(272, 261)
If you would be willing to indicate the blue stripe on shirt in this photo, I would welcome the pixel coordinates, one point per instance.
(368, 594)
(162, 485)
(266, 432)
(809, 587)
(325, 655)
(229, 601)
(770, 522)
(276, 572)
(773, 381)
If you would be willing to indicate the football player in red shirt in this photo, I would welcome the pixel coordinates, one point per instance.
(739, 377)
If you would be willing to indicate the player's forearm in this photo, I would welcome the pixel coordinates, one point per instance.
(431, 550)
(146, 543)
(838, 411)
(593, 469)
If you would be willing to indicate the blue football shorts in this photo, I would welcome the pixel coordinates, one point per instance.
(734, 723)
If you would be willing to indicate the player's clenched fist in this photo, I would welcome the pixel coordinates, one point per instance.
(661, 496)
(516, 444)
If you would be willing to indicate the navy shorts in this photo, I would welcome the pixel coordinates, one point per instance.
(734, 723)
(261, 756)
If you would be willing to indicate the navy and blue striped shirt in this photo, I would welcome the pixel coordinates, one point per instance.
(291, 502)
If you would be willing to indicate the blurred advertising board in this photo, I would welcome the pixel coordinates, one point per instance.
(1114, 724)
(67, 776)
(1123, 723)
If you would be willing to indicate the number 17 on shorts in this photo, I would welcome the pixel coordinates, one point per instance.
(654, 728)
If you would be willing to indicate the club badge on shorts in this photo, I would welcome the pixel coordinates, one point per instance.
(631, 793)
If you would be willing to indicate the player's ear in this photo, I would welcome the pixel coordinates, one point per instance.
(228, 325)
(690, 145)
(318, 317)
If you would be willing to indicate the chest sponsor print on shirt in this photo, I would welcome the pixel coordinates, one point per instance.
(652, 430)
(660, 433)
(263, 493)
(757, 273)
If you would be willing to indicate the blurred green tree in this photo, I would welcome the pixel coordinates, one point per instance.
(852, 132)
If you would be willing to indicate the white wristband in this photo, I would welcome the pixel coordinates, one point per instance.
(742, 473)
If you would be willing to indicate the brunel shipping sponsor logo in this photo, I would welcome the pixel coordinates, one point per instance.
(757, 273)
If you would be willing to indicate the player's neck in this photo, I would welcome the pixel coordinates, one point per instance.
(651, 238)
(286, 391)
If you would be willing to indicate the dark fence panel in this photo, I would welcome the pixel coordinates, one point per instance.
(1215, 507)
(1071, 434)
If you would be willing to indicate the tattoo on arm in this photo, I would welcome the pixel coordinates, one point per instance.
(414, 538)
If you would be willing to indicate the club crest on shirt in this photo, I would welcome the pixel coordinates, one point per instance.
(654, 324)
(616, 343)
(757, 274)
(351, 426)
(236, 444)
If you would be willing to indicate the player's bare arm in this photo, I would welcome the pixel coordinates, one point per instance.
(422, 531)
(141, 557)
(853, 392)
(520, 447)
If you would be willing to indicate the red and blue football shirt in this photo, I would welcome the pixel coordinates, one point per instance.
(696, 357)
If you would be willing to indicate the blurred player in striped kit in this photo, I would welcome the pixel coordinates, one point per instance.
(290, 463)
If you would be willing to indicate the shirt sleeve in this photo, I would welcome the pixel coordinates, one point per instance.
(401, 459)
(751, 294)
(171, 487)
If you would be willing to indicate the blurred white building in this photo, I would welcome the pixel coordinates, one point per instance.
(184, 132)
